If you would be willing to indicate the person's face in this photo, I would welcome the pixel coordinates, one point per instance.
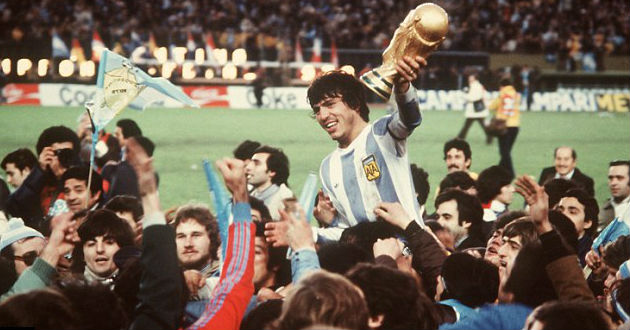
(55, 166)
(26, 246)
(193, 244)
(99, 255)
(77, 195)
(564, 161)
(261, 258)
(338, 120)
(493, 246)
(256, 217)
(456, 161)
(257, 172)
(15, 177)
(506, 194)
(118, 134)
(449, 218)
(508, 251)
(574, 210)
(618, 181)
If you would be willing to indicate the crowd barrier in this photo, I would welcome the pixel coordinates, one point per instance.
(294, 98)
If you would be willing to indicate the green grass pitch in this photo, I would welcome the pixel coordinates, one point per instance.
(183, 137)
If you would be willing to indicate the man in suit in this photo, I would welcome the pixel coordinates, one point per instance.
(565, 160)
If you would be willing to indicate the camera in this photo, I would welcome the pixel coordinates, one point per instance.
(66, 157)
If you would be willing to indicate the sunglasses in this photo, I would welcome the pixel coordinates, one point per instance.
(28, 258)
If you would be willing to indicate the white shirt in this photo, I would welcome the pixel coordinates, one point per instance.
(621, 209)
(373, 168)
(273, 196)
(476, 92)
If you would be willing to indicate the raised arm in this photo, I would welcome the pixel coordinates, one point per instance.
(562, 266)
(161, 282)
(235, 289)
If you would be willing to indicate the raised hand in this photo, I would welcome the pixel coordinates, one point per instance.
(408, 69)
(390, 247)
(233, 172)
(62, 238)
(324, 210)
(143, 165)
(299, 232)
(538, 201)
(393, 213)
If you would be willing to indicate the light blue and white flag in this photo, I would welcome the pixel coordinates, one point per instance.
(222, 202)
(121, 84)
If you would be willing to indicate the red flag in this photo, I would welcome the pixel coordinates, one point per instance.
(298, 51)
(333, 54)
(152, 44)
(97, 46)
(317, 50)
(190, 44)
(210, 48)
(77, 51)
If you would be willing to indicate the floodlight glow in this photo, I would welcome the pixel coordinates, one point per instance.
(6, 65)
(349, 69)
(307, 73)
(161, 54)
(167, 69)
(179, 54)
(188, 70)
(229, 71)
(220, 54)
(66, 68)
(327, 67)
(23, 65)
(250, 76)
(239, 56)
(209, 74)
(200, 56)
(42, 67)
(87, 69)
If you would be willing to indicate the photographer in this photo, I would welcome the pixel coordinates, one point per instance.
(57, 148)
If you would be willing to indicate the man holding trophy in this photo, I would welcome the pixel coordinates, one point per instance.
(370, 165)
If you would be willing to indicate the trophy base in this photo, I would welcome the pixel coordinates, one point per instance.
(379, 83)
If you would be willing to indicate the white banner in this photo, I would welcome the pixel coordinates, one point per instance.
(242, 97)
(294, 98)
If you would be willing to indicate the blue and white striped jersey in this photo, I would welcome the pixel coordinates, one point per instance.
(373, 168)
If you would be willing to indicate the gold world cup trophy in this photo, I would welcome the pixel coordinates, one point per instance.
(421, 33)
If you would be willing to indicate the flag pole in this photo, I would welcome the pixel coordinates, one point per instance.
(92, 149)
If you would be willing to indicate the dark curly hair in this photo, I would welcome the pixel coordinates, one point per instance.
(337, 83)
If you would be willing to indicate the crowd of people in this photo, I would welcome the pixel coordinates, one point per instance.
(91, 248)
(563, 30)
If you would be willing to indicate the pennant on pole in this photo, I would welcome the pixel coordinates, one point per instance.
(333, 54)
(77, 51)
(152, 44)
(221, 201)
(97, 46)
(190, 43)
(121, 84)
(317, 50)
(298, 51)
(59, 48)
(210, 48)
